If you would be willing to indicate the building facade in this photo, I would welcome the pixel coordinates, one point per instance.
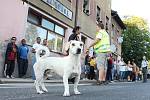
(116, 33)
(52, 20)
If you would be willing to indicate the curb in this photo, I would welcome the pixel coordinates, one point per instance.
(17, 80)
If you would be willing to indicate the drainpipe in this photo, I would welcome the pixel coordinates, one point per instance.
(76, 13)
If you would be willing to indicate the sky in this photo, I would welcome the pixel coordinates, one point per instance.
(139, 8)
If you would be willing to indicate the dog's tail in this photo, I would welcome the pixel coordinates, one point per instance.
(42, 52)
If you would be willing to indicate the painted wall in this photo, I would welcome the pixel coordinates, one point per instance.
(12, 17)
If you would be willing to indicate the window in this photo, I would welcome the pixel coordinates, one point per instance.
(86, 7)
(47, 24)
(107, 24)
(59, 30)
(70, 0)
(55, 42)
(113, 30)
(32, 32)
(98, 14)
(83, 39)
(51, 41)
(33, 18)
(37, 26)
(59, 43)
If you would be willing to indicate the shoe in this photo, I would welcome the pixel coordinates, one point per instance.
(7, 76)
(12, 76)
(99, 82)
(105, 82)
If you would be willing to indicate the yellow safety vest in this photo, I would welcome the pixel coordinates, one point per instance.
(103, 46)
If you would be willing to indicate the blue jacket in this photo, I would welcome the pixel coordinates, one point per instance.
(23, 51)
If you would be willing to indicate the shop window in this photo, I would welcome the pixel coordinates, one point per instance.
(47, 24)
(86, 7)
(59, 30)
(33, 18)
(55, 42)
(51, 40)
(32, 32)
(37, 26)
(59, 44)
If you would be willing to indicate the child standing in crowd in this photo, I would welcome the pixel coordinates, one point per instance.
(92, 67)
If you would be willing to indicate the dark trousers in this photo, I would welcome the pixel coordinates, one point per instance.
(22, 67)
(10, 67)
(92, 73)
(109, 75)
(144, 71)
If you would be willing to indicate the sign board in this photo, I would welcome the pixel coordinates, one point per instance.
(59, 7)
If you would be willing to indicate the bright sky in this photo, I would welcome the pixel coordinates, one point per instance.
(132, 7)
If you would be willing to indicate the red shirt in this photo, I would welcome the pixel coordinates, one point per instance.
(12, 54)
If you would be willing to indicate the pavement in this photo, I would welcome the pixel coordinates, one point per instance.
(112, 91)
(29, 80)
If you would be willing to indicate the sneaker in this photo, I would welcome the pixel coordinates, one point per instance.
(12, 76)
(7, 76)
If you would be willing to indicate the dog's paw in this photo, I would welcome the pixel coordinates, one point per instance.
(77, 92)
(45, 90)
(40, 92)
(66, 94)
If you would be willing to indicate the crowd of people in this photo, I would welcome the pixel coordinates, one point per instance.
(117, 70)
(102, 66)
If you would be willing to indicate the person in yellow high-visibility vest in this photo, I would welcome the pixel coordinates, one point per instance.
(101, 48)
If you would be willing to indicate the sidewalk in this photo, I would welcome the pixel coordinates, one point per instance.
(29, 80)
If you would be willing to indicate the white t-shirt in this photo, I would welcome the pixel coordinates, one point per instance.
(36, 46)
(129, 68)
(122, 66)
(115, 65)
(144, 63)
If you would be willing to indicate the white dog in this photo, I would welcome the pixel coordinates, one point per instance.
(66, 67)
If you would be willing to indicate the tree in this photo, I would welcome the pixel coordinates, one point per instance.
(136, 37)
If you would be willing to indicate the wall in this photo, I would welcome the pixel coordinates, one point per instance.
(115, 37)
(13, 18)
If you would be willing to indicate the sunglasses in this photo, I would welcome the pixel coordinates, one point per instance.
(13, 39)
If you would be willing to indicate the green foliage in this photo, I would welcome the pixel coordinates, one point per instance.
(136, 42)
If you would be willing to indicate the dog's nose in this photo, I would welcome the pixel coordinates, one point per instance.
(78, 51)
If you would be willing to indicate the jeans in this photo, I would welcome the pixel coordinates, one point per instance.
(122, 75)
(10, 67)
(144, 71)
(33, 62)
(22, 67)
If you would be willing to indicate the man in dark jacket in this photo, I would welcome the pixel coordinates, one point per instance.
(10, 57)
